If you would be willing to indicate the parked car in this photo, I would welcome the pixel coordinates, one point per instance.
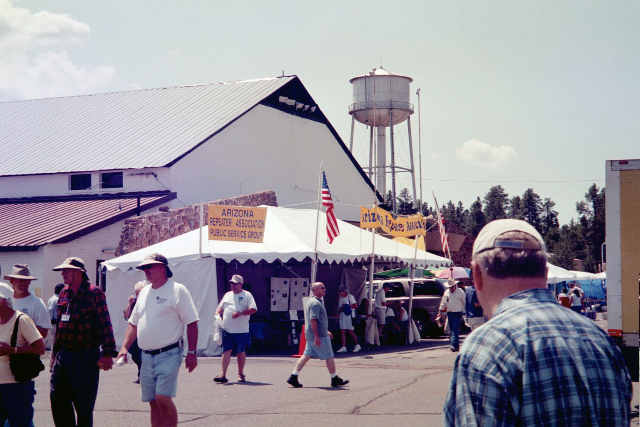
(426, 300)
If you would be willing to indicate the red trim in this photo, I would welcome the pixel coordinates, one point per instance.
(615, 332)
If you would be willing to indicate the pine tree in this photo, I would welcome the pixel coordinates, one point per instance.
(515, 208)
(476, 219)
(496, 203)
(532, 208)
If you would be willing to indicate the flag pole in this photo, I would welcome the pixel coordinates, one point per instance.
(314, 261)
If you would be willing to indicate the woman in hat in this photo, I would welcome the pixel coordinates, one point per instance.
(16, 398)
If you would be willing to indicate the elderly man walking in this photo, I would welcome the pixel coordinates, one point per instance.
(534, 363)
(453, 305)
(318, 338)
(235, 308)
(158, 321)
(25, 301)
(84, 344)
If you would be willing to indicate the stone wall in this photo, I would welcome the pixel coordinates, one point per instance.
(146, 230)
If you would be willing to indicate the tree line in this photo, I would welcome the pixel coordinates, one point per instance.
(581, 238)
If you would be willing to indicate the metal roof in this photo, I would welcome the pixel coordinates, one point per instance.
(26, 225)
(121, 130)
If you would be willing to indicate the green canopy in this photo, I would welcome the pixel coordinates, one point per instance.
(399, 272)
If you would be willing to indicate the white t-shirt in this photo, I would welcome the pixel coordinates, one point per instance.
(239, 302)
(34, 307)
(52, 306)
(349, 299)
(380, 299)
(454, 302)
(27, 333)
(161, 314)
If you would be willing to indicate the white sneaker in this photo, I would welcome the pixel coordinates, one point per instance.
(342, 350)
(357, 348)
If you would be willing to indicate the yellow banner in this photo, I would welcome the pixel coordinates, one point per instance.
(236, 223)
(400, 226)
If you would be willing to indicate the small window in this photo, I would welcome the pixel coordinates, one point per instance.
(81, 181)
(111, 180)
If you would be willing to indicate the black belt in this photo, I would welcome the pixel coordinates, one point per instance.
(163, 349)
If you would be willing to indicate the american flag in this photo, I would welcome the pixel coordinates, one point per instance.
(443, 233)
(327, 202)
(444, 241)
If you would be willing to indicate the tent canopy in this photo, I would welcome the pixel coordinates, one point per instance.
(289, 234)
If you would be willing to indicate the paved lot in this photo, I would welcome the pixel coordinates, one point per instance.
(403, 387)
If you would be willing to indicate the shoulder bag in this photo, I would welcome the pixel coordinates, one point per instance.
(24, 366)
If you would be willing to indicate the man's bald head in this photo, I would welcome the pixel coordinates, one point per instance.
(318, 289)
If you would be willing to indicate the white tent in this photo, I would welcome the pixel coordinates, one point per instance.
(584, 275)
(558, 274)
(289, 234)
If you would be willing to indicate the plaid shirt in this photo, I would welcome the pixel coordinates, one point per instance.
(535, 363)
(89, 325)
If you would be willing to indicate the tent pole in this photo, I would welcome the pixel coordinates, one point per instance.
(412, 274)
(314, 261)
(200, 229)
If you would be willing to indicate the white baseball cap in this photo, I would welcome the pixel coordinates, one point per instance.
(489, 236)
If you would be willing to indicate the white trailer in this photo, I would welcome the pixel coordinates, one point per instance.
(622, 210)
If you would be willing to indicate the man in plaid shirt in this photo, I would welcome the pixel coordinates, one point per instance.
(534, 363)
(83, 344)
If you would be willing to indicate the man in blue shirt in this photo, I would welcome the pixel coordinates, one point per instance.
(534, 363)
(473, 309)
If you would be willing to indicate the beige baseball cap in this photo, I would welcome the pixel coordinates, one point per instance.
(490, 236)
(236, 278)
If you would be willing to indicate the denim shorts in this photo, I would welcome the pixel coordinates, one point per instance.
(237, 343)
(159, 374)
(322, 352)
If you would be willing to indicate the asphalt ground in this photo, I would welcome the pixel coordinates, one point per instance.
(395, 386)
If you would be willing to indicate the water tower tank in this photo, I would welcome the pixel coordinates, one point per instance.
(379, 93)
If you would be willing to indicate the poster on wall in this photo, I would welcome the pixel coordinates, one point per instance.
(279, 294)
(287, 293)
(299, 289)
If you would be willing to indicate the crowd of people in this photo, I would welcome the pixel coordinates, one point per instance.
(528, 360)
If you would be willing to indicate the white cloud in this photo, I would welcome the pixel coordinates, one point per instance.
(35, 60)
(486, 155)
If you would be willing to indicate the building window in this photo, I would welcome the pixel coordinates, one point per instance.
(81, 181)
(111, 180)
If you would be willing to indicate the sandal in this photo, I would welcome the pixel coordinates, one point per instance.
(242, 378)
(221, 380)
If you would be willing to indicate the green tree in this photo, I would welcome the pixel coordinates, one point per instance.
(405, 202)
(591, 213)
(496, 203)
(549, 224)
(515, 208)
(476, 219)
(532, 208)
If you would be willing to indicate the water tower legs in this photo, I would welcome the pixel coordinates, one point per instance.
(371, 153)
(381, 161)
(393, 164)
(351, 140)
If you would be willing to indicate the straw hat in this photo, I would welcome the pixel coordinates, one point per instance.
(20, 271)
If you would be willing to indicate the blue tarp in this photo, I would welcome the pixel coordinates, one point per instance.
(595, 289)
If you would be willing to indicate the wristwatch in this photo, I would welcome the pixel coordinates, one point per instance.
(191, 352)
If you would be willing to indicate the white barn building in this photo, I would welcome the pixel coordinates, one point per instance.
(73, 168)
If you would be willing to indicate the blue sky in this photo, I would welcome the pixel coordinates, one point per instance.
(522, 94)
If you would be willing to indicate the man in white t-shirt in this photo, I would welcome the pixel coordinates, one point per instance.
(158, 321)
(235, 308)
(25, 301)
(380, 308)
(453, 303)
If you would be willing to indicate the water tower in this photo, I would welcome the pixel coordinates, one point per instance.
(381, 101)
